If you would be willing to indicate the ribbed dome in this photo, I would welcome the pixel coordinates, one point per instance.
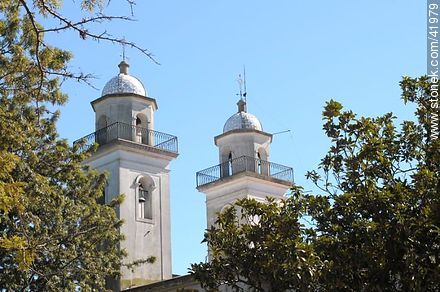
(124, 83)
(242, 120)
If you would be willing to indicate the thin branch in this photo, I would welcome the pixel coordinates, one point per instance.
(78, 77)
(87, 20)
(84, 33)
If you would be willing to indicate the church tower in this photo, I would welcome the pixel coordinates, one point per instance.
(245, 170)
(137, 159)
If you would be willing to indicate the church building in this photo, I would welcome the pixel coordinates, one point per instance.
(137, 158)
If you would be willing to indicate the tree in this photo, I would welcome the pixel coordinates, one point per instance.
(261, 246)
(54, 234)
(378, 227)
(376, 224)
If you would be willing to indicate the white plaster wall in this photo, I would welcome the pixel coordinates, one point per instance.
(144, 237)
(124, 109)
(243, 144)
(243, 187)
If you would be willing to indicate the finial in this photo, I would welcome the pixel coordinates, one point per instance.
(123, 50)
(242, 85)
(123, 43)
(241, 105)
(123, 67)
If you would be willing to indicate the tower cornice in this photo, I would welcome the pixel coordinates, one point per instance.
(124, 95)
(242, 131)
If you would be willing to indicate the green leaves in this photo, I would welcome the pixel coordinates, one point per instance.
(382, 187)
(332, 109)
(374, 227)
(260, 245)
(53, 234)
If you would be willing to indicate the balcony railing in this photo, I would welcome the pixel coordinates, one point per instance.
(132, 133)
(241, 164)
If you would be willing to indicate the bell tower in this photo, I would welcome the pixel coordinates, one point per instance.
(244, 169)
(137, 159)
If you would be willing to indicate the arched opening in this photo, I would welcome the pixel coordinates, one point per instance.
(101, 130)
(138, 130)
(226, 159)
(146, 210)
(230, 164)
(144, 198)
(142, 134)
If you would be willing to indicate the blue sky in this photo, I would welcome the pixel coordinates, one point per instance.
(298, 54)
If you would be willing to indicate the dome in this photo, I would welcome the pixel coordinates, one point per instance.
(242, 120)
(124, 83)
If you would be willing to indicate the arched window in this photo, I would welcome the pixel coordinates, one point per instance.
(145, 187)
(145, 202)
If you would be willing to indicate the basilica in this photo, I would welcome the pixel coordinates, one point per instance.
(137, 158)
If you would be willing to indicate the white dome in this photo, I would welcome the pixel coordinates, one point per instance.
(242, 120)
(124, 83)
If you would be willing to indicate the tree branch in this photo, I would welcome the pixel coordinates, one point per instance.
(84, 33)
(86, 21)
(37, 52)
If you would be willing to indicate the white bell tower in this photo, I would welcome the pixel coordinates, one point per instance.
(244, 170)
(137, 160)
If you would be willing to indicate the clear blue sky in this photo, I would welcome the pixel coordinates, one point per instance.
(298, 54)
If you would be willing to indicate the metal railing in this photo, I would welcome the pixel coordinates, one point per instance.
(241, 164)
(132, 133)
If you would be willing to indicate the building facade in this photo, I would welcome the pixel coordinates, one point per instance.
(244, 169)
(137, 159)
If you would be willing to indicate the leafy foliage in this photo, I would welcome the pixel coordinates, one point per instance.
(378, 227)
(259, 245)
(54, 235)
(374, 227)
